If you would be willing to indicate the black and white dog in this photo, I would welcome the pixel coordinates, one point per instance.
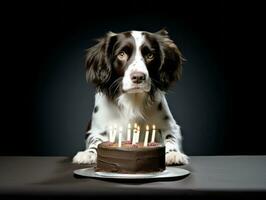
(132, 71)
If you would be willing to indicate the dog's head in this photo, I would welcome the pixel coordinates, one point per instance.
(133, 62)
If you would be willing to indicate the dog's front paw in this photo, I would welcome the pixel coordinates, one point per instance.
(85, 157)
(173, 157)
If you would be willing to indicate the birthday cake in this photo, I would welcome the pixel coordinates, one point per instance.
(130, 158)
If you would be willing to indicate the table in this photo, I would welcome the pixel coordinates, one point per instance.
(211, 176)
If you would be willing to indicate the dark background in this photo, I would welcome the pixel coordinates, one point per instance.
(46, 101)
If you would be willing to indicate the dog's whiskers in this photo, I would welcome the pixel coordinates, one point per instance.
(115, 82)
(115, 85)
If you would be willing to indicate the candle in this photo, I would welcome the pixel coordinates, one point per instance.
(114, 133)
(153, 133)
(110, 133)
(129, 132)
(120, 136)
(134, 133)
(146, 136)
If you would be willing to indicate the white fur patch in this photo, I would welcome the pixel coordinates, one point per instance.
(138, 37)
(138, 65)
(85, 157)
(172, 158)
(132, 105)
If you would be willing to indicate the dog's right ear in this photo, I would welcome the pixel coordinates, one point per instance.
(98, 69)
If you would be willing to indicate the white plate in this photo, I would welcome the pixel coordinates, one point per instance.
(169, 172)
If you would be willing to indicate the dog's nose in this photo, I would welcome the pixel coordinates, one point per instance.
(137, 77)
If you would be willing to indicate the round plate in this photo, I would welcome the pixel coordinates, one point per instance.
(169, 172)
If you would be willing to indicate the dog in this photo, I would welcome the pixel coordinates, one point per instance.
(132, 72)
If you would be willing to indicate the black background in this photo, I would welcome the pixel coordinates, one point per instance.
(46, 101)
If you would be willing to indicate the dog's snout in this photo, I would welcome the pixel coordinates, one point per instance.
(138, 77)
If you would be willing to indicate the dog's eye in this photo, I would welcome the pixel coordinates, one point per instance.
(149, 56)
(122, 55)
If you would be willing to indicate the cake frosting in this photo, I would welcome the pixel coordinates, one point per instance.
(130, 158)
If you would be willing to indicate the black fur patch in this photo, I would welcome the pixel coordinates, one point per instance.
(90, 139)
(171, 150)
(96, 109)
(95, 140)
(160, 106)
(87, 135)
(171, 60)
(165, 117)
(93, 148)
(88, 126)
(168, 137)
(104, 133)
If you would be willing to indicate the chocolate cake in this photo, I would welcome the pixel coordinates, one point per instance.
(130, 158)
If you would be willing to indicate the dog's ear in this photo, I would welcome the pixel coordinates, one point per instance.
(172, 60)
(98, 68)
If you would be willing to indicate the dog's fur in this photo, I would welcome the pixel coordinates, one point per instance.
(132, 71)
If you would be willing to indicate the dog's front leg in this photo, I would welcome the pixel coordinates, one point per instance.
(89, 156)
(173, 150)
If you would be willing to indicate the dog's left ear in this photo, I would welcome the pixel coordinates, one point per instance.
(172, 60)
